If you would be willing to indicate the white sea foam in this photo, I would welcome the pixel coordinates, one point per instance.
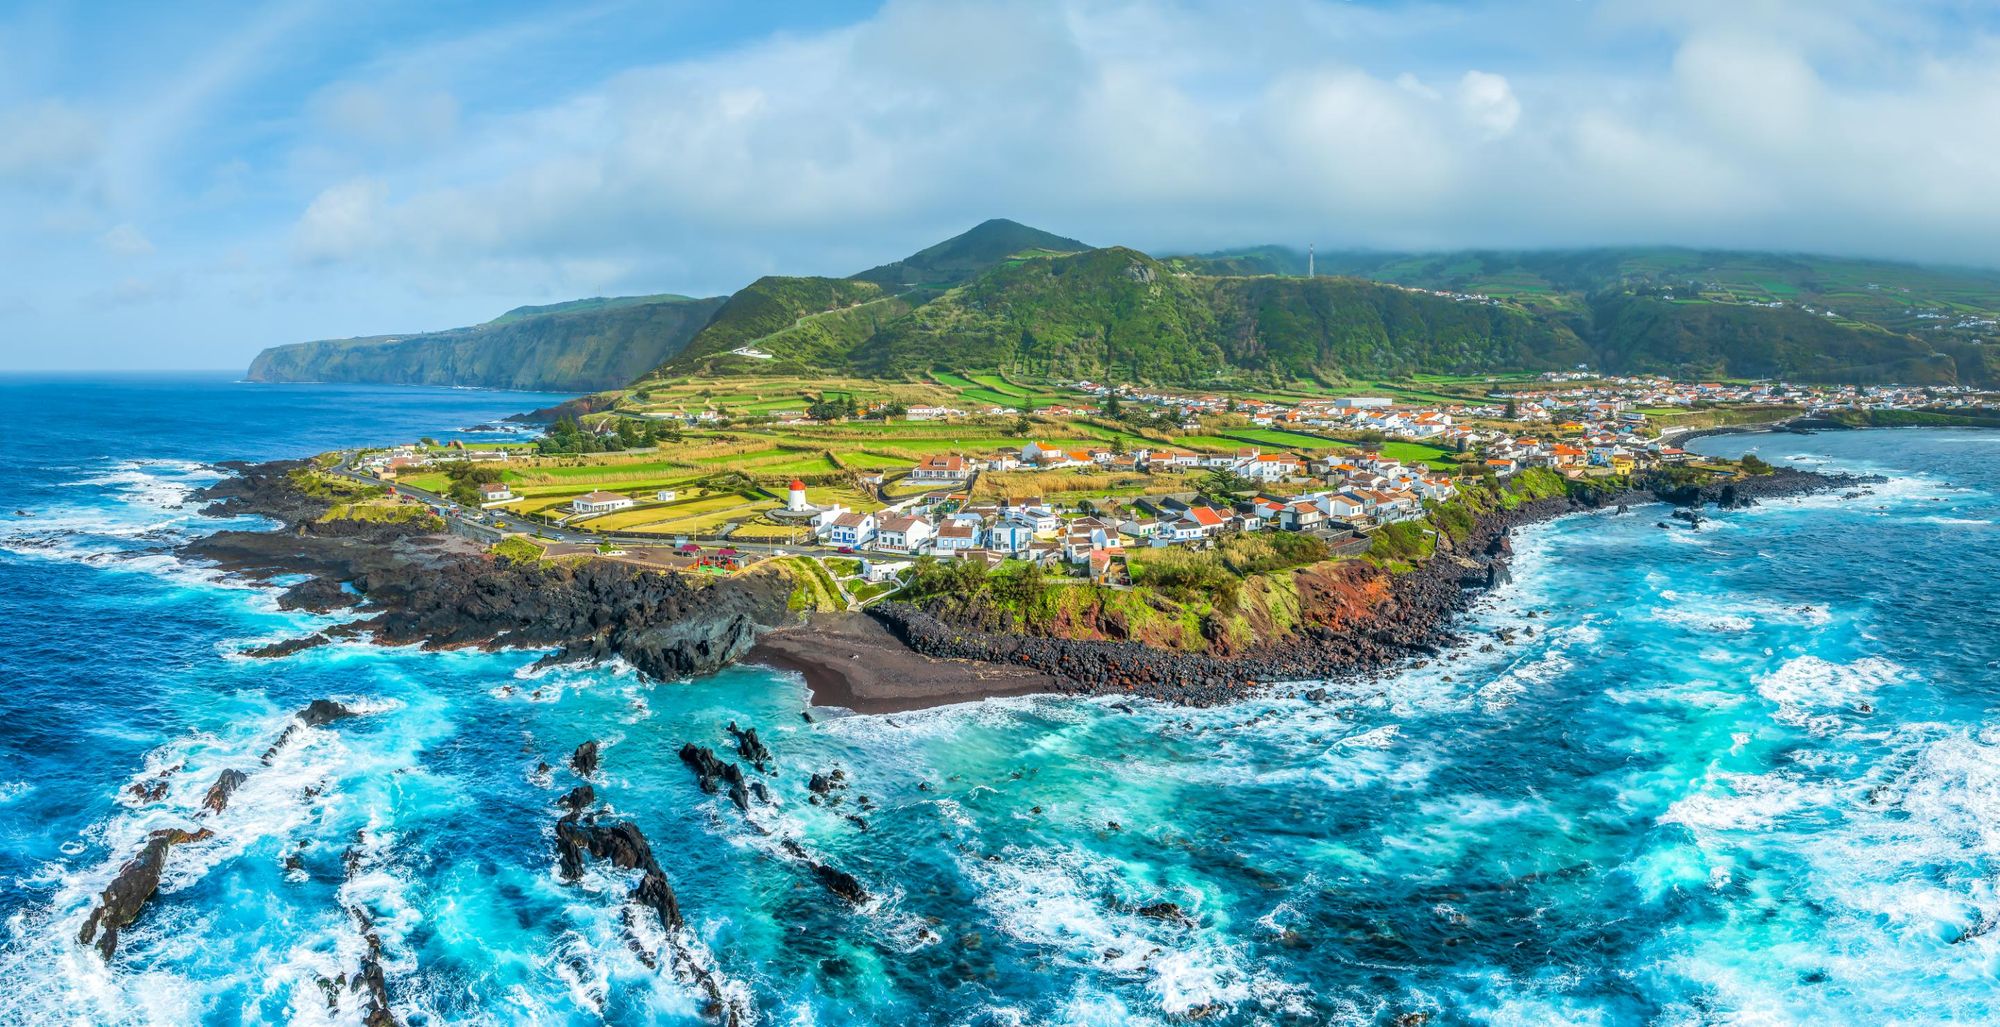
(1805, 687)
(1739, 802)
(1056, 899)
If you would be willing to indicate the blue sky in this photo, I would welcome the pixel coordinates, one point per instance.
(181, 185)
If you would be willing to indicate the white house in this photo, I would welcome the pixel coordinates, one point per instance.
(1269, 467)
(902, 532)
(941, 467)
(665, 495)
(957, 536)
(1347, 506)
(494, 494)
(599, 502)
(1009, 537)
(851, 529)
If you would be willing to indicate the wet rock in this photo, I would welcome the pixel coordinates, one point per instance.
(748, 747)
(580, 798)
(317, 595)
(225, 785)
(624, 846)
(279, 650)
(710, 773)
(321, 712)
(134, 886)
(585, 759)
(1169, 912)
(837, 881)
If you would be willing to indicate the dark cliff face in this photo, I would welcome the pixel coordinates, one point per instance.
(560, 350)
(418, 587)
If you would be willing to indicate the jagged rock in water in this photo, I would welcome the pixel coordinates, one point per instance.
(321, 712)
(837, 881)
(279, 650)
(624, 846)
(134, 886)
(225, 785)
(580, 798)
(585, 759)
(748, 747)
(1167, 911)
(708, 770)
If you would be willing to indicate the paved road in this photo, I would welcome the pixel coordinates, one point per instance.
(489, 521)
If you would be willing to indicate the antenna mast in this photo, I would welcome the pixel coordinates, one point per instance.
(1309, 260)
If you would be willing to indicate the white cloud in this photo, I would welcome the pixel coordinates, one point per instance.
(127, 241)
(1488, 104)
(342, 221)
(937, 115)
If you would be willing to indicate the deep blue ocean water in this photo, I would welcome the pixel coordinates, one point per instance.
(1749, 774)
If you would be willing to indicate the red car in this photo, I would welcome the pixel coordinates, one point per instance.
(844, 550)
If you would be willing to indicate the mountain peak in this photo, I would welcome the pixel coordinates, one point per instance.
(962, 256)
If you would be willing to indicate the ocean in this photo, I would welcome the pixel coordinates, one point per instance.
(1743, 775)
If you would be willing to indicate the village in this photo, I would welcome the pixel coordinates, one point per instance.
(1076, 487)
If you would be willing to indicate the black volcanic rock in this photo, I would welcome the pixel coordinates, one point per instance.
(225, 785)
(623, 845)
(134, 886)
(585, 759)
(317, 595)
(748, 747)
(444, 592)
(708, 771)
(279, 650)
(321, 712)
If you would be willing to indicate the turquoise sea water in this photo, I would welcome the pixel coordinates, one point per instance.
(1749, 774)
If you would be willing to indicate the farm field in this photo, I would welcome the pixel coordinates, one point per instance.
(1417, 452)
(1286, 439)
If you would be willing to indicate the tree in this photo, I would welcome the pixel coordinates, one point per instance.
(1754, 464)
(1511, 410)
(1021, 426)
(1018, 584)
(1223, 486)
(1113, 408)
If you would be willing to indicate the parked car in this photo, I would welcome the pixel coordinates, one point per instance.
(845, 550)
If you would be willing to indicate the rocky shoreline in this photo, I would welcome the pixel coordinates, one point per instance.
(1415, 622)
(409, 586)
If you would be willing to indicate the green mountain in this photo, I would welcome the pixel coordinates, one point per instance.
(964, 256)
(1117, 312)
(1708, 312)
(567, 347)
(1006, 296)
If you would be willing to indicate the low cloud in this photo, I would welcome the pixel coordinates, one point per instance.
(1049, 113)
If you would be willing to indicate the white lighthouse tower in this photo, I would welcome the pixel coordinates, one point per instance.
(795, 500)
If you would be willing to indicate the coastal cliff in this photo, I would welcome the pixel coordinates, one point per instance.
(579, 347)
